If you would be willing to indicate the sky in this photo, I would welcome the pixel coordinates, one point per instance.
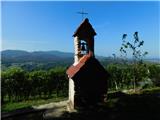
(43, 26)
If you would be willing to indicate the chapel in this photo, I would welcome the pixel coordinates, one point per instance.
(87, 77)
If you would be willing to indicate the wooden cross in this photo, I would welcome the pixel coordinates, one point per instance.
(82, 13)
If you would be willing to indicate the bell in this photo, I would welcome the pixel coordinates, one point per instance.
(83, 47)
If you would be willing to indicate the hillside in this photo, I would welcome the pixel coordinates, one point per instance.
(35, 60)
(19, 56)
(46, 59)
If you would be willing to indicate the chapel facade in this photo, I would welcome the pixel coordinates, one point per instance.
(87, 77)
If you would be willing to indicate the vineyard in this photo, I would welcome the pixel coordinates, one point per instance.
(21, 85)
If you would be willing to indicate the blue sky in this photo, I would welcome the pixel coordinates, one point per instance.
(35, 26)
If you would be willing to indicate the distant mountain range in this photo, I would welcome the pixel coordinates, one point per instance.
(36, 60)
(19, 56)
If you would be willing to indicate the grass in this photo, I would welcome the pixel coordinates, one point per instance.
(12, 106)
(151, 90)
(143, 104)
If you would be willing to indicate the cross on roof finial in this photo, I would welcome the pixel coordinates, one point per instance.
(82, 13)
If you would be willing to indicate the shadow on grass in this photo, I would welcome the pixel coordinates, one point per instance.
(24, 114)
(119, 106)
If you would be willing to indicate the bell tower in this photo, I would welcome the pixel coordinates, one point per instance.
(87, 77)
(84, 40)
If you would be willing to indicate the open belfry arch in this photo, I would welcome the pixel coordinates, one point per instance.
(87, 77)
(84, 38)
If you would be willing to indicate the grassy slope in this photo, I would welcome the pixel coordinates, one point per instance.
(12, 106)
(144, 105)
(114, 99)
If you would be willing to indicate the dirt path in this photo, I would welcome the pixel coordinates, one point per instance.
(55, 109)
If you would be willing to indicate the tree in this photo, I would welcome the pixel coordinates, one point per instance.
(115, 75)
(3, 86)
(59, 80)
(154, 74)
(18, 84)
(38, 81)
(13, 83)
(137, 56)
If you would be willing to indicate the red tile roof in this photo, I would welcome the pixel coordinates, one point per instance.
(74, 69)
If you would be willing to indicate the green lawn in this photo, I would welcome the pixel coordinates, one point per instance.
(142, 105)
(11, 106)
(113, 99)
